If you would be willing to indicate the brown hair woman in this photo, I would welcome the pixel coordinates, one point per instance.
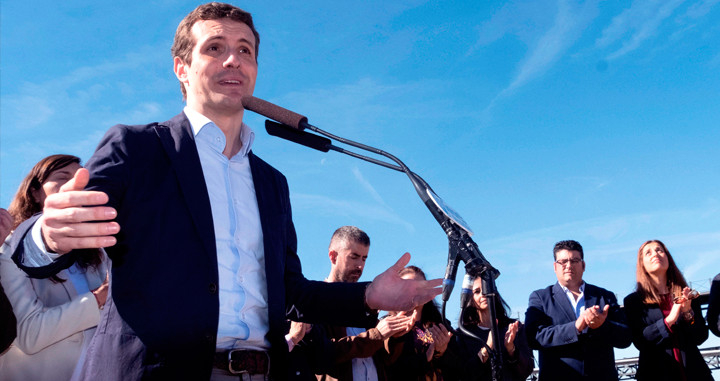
(665, 319)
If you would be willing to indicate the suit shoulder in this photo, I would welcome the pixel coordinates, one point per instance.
(633, 298)
(597, 290)
(544, 291)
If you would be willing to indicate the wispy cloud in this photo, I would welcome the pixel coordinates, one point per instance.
(328, 206)
(368, 187)
(636, 25)
(569, 22)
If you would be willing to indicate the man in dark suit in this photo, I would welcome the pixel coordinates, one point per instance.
(204, 270)
(575, 325)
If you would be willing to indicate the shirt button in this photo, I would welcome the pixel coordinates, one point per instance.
(240, 279)
(213, 288)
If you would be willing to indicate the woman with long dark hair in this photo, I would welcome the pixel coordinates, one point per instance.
(665, 319)
(56, 316)
(472, 359)
(418, 353)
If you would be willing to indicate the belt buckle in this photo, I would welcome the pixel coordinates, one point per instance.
(230, 367)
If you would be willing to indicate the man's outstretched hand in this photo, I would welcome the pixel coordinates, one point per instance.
(70, 217)
(389, 292)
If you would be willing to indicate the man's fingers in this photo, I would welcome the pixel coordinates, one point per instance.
(78, 182)
(71, 199)
(79, 230)
(68, 244)
(401, 263)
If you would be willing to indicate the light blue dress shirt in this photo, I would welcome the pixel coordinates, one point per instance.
(244, 317)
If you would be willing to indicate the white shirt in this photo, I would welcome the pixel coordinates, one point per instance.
(579, 304)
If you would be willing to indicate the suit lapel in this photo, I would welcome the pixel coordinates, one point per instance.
(563, 302)
(179, 144)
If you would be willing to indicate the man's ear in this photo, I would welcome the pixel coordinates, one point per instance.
(181, 70)
(333, 256)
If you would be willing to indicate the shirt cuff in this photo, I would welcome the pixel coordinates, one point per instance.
(290, 343)
(35, 253)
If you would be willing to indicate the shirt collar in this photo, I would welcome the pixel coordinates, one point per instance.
(198, 121)
(566, 290)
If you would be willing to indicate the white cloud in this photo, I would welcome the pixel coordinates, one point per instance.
(328, 206)
(368, 187)
(635, 25)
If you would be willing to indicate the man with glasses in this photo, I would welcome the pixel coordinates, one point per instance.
(575, 325)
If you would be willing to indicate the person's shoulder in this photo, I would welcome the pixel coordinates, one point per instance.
(545, 291)
(632, 298)
(597, 290)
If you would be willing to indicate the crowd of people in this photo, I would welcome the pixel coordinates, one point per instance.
(96, 286)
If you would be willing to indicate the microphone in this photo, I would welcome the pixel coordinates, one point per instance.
(275, 112)
(450, 273)
(298, 136)
(466, 292)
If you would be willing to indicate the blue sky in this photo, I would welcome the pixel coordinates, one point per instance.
(537, 121)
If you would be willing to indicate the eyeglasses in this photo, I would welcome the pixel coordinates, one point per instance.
(573, 261)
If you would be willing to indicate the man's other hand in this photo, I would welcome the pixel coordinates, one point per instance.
(70, 217)
(389, 292)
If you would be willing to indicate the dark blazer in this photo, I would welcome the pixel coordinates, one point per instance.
(713, 310)
(654, 341)
(8, 324)
(563, 353)
(161, 319)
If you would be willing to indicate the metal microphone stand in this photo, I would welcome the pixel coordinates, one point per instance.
(460, 244)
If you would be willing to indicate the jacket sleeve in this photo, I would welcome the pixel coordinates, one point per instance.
(39, 326)
(645, 333)
(522, 363)
(362, 345)
(541, 332)
(615, 331)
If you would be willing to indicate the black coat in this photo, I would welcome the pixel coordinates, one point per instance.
(655, 342)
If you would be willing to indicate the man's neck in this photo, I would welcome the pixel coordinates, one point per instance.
(574, 288)
(229, 124)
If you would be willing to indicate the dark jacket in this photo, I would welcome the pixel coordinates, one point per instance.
(161, 319)
(345, 348)
(563, 353)
(655, 341)
(465, 364)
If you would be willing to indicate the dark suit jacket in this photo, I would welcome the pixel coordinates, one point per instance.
(8, 324)
(713, 310)
(565, 355)
(161, 320)
(654, 341)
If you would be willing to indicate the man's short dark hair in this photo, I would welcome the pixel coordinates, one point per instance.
(350, 234)
(568, 245)
(185, 41)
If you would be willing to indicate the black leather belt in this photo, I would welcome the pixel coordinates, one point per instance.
(240, 361)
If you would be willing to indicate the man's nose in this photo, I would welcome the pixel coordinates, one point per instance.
(232, 61)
